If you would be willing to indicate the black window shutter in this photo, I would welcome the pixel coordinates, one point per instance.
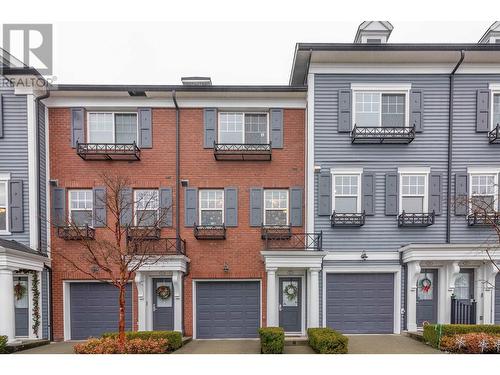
(461, 194)
(166, 207)
(126, 206)
(16, 206)
(77, 126)
(99, 207)
(483, 111)
(296, 203)
(417, 110)
(391, 193)
(209, 127)
(276, 120)
(325, 193)
(368, 185)
(231, 207)
(145, 127)
(435, 193)
(190, 206)
(345, 109)
(58, 206)
(256, 207)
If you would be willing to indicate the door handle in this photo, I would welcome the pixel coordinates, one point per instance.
(280, 308)
(154, 307)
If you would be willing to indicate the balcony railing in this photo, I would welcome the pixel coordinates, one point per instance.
(386, 135)
(279, 232)
(76, 233)
(210, 232)
(483, 219)
(108, 151)
(406, 219)
(238, 152)
(462, 312)
(347, 219)
(135, 233)
(494, 135)
(163, 246)
(295, 241)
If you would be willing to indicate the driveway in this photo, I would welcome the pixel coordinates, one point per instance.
(52, 348)
(234, 347)
(387, 344)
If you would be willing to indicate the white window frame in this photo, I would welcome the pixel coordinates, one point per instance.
(211, 209)
(264, 209)
(136, 202)
(490, 172)
(5, 179)
(114, 113)
(347, 172)
(69, 204)
(219, 113)
(495, 91)
(424, 171)
(389, 88)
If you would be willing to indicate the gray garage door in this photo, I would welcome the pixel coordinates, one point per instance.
(360, 303)
(227, 309)
(94, 309)
(497, 299)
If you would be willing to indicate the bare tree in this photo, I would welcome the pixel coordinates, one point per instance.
(128, 237)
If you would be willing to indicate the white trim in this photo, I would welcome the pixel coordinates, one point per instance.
(14, 260)
(348, 172)
(448, 252)
(495, 91)
(48, 195)
(400, 68)
(277, 209)
(244, 113)
(32, 122)
(5, 179)
(495, 187)
(211, 209)
(68, 198)
(414, 170)
(113, 113)
(425, 203)
(483, 170)
(337, 256)
(194, 281)
(494, 86)
(292, 259)
(303, 301)
(382, 86)
(309, 183)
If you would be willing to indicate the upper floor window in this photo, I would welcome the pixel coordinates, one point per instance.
(414, 193)
(243, 128)
(380, 109)
(276, 207)
(211, 207)
(146, 207)
(346, 193)
(496, 110)
(80, 207)
(483, 192)
(3, 206)
(111, 127)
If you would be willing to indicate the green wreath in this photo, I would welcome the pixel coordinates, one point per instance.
(163, 292)
(19, 290)
(290, 292)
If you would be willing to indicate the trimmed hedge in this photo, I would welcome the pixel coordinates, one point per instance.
(110, 345)
(327, 341)
(3, 344)
(272, 340)
(174, 338)
(434, 332)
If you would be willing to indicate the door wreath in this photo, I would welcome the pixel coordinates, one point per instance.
(425, 285)
(290, 292)
(163, 292)
(19, 291)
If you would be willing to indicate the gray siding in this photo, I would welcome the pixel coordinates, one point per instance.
(334, 149)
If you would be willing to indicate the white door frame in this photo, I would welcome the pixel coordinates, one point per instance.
(303, 302)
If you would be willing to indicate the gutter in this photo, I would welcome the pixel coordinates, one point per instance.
(450, 145)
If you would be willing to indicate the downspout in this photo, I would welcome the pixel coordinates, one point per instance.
(450, 146)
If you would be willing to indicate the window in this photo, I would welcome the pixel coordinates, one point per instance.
(3, 206)
(413, 193)
(346, 194)
(380, 109)
(496, 110)
(108, 127)
(275, 207)
(211, 207)
(483, 192)
(80, 207)
(462, 286)
(243, 128)
(146, 207)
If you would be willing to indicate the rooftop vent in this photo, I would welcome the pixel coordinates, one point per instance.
(196, 81)
(373, 32)
(492, 35)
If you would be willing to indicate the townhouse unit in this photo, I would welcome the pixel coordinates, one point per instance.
(401, 139)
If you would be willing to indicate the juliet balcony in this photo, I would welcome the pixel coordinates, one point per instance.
(242, 152)
(294, 241)
(483, 219)
(382, 135)
(70, 233)
(160, 247)
(494, 135)
(406, 219)
(138, 233)
(347, 219)
(210, 232)
(109, 151)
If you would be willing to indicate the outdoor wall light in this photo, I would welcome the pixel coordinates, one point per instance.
(226, 267)
(184, 183)
(364, 256)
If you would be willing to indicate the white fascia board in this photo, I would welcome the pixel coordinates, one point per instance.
(293, 259)
(364, 268)
(165, 263)
(16, 260)
(483, 170)
(382, 86)
(346, 170)
(494, 86)
(414, 170)
(356, 255)
(401, 68)
(448, 252)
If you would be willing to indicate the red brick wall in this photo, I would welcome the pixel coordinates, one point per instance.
(241, 249)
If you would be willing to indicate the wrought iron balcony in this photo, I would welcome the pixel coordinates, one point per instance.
(494, 135)
(406, 219)
(295, 241)
(483, 219)
(76, 233)
(347, 219)
(279, 232)
(163, 246)
(108, 151)
(138, 233)
(382, 134)
(210, 232)
(238, 152)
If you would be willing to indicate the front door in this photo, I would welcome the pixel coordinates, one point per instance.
(427, 297)
(21, 304)
(290, 304)
(163, 305)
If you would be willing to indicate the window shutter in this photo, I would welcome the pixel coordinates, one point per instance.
(483, 111)
(16, 206)
(166, 207)
(210, 127)
(190, 207)
(77, 126)
(276, 128)
(58, 206)
(435, 193)
(345, 108)
(417, 110)
(296, 200)
(391, 194)
(461, 194)
(231, 207)
(1, 116)
(145, 128)
(256, 207)
(126, 206)
(368, 202)
(325, 193)
(99, 207)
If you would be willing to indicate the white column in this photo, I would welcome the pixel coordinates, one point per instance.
(7, 312)
(314, 298)
(141, 302)
(447, 276)
(272, 304)
(413, 269)
(487, 278)
(177, 283)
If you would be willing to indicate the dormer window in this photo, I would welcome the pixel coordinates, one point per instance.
(373, 32)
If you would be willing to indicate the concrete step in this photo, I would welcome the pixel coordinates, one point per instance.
(25, 344)
(419, 335)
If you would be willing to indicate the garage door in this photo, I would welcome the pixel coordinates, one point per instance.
(497, 299)
(227, 309)
(360, 303)
(94, 309)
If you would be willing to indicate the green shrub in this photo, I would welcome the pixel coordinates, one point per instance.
(110, 345)
(327, 341)
(174, 338)
(434, 332)
(3, 344)
(272, 340)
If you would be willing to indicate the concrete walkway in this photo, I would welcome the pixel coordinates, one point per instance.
(387, 344)
(235, 347)
(52, 348)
